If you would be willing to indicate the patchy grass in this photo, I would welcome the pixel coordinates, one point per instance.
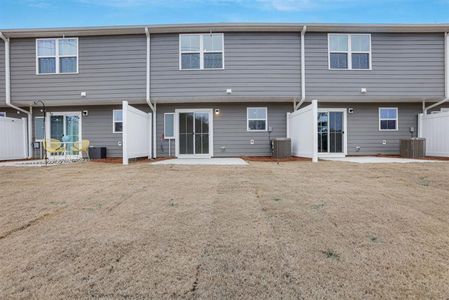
(214, 232)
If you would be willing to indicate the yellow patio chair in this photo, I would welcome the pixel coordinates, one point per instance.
(53, 146)
(82, 146)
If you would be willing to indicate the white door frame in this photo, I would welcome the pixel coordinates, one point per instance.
(211, 132)
(345, 135)
(64, 113)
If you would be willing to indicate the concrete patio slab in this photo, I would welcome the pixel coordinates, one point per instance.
(203, 161)
(378, 160)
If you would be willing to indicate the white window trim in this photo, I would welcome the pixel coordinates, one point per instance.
(256, 119)
(2, 114)
(170, 137)
(114, 121)
(34, 127)
(397, 119)
(201, 52)
(349, 52)
(57, 56)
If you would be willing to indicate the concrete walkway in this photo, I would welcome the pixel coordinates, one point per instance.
(378, 160)
(203, 161)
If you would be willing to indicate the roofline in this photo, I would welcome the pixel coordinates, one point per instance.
(224, 27)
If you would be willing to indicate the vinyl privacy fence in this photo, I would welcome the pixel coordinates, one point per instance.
(137, 127)
(302, 130)
(435, 129)
(13, 138)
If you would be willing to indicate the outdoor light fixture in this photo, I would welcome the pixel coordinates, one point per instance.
(229, 91)
(363, 90)
(217, 111)
(83, 94)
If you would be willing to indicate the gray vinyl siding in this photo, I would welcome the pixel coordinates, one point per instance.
(2, 73)
(363, 127)
(111, 68)
(404, 65)
(231, 137)
(256, 64)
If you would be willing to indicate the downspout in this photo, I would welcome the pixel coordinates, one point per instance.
(8, 91)
(303, 69)
(148, 87)
(446, 74)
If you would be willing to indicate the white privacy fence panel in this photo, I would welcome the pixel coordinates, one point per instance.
(302, 130)
(435, 129)
(13, 138)
(137, 126)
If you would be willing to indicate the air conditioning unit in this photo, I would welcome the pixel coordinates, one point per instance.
(281, 147)
(413, 148)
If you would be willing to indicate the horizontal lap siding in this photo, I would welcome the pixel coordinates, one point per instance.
(363, 127)
(230, 128)
(403, 65)
(110, 68)
(256, 64)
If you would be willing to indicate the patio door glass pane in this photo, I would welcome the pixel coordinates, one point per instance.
(57, 127)
(202, 133)
(336, 132)
(323, 120)
(72, 134)
(186, 133)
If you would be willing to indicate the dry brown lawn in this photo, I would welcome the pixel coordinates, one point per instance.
(268, 230)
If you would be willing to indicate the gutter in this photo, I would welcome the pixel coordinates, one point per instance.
(303, 70)
(148, 89)
(446, 74)
(8, 91)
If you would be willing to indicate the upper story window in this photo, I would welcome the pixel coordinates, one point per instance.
(201, 51)
(256, 118)
(388, 118)
(57, 56)
(349, 51)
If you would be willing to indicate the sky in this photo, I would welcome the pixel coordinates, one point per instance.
(72, 13)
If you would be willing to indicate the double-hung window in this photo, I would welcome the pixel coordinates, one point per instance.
(256, 118)
(349, 51)
(201, 51)
(117, 121)
(388, 118)
(57, 56)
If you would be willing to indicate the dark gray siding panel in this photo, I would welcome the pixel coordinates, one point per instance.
(363, 127)
(231, 137)
(256, 64)
(2, 72)
(403, 65)
(110, 68)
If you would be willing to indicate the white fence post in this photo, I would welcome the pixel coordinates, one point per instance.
(125, 132)
(315, 130)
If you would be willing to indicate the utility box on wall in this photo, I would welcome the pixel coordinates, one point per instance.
(413, 148)
(281, 147)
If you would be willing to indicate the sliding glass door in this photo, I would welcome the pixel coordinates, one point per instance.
(331, 130)
(194, 133)
(66, 128)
